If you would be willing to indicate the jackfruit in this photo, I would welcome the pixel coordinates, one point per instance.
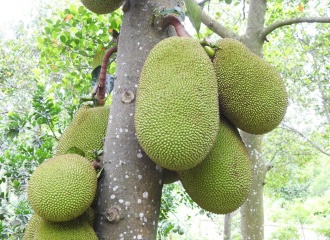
(31, 227)
(102, 6)
(85, 134)
(76, 229)
(177, 114)
(62, 188)
(221, 183)
(252, 94)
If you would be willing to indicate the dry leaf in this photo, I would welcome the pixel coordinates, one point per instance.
(68, 17)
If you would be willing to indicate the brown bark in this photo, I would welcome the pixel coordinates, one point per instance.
(130, 190)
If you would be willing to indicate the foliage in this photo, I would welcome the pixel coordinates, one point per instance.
(286, 233)
(43, 79)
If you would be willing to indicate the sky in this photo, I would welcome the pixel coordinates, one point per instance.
(11, 12)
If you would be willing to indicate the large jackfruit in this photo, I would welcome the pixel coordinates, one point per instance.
(62, 188)
(221, 183)
(177, 115)
(102, 6)
(85, 134)
(76, 229)
(251, 92)
(31, 227)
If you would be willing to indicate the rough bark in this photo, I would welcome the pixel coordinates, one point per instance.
(252, 211)
(130, 190)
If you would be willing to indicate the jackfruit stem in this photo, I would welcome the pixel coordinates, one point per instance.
(100, 89)
(176, 23)
(209, 51)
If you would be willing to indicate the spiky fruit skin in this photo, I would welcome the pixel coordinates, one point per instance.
(31, 227)
(76, 229)
(102, 6)
(177, 115)
(252, 94)
(86, 132)
(221, 183)
(62, 188)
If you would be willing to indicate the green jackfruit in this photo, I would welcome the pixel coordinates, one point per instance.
(252, 94)
(102, 6)
(31, 227)
(85, 134)
(221, 183)
(76, 229)
(62, 188)
(177, 114)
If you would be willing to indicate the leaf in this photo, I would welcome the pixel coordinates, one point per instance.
(193, 13)
(228, 1)
(97, 60)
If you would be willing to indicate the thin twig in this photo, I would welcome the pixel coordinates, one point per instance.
(306, 138)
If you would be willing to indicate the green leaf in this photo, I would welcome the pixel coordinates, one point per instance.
(97, 60)
(193, 13)
(228, 1)
(63, 39)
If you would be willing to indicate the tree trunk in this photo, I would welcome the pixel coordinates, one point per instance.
(227, 226)
(252, 211)
(130, 190)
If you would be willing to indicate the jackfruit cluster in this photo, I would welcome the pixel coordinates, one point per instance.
(252, 94)
(86, 132)
(102, 6)
(177, 116)
(62, 189)
(177, 112)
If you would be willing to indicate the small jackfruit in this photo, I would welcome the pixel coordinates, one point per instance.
(102, 6)
(252, 94)
(76, 229)
(85, 134)
(177, 114)
(221, 183)
(31, 227)
(62, 188)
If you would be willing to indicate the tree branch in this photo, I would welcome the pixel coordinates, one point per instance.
(306, 138)
(216, 27)
(291, 21)
(101, 87)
